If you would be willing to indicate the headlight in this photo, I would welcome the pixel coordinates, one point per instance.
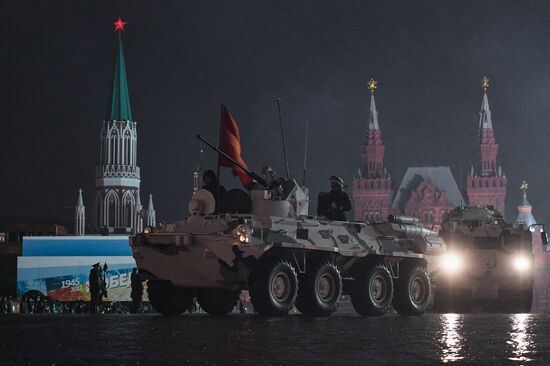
(451, 263)
(521, 263)
(243, 234)
(147, 229)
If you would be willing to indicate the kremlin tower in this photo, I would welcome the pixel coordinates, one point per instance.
(372, 187)
(117, 203)
(525, 210)
(486, 186)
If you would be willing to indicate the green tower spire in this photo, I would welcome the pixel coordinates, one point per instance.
(120, 107)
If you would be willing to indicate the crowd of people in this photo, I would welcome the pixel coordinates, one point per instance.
(34, 302)
(46, 305)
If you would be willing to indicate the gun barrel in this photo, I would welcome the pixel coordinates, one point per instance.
(415, 231)
(408, 220)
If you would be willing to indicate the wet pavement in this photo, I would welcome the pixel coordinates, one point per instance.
(252, 340)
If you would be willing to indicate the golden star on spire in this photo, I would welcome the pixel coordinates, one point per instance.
(485, 83)
(372, 85)
(524, 186)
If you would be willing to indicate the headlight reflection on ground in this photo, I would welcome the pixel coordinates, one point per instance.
(451, 341)
(521, 338)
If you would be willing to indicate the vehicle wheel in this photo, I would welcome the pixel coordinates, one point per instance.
(319, 290)
(412, 291)
(216, 301)
(273, 287)
(168, 299)
(372, 291)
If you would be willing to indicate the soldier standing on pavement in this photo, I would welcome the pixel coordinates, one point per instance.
(95, 281)
(334, 204)
(102, 285)
(137, 290)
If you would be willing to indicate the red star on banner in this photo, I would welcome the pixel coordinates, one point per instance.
(119, 25)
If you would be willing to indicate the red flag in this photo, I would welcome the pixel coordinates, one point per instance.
(230, 143)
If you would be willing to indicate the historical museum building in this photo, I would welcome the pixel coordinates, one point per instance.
(425, 192)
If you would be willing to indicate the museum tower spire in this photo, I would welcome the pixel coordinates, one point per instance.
(372, 187)
(486, 185)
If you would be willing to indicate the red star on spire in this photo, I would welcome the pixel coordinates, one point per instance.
(119, 25)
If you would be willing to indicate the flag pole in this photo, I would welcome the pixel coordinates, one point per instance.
(305, 154)
(218, 167)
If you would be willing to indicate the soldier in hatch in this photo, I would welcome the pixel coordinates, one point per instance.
(211, 184)
(334, 204)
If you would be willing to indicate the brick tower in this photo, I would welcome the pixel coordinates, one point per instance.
(487, 183)
(372, 187)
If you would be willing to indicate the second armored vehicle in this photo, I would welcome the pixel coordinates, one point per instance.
(489, 263)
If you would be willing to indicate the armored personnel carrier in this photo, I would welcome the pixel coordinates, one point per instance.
(489, 263)
(264, 241)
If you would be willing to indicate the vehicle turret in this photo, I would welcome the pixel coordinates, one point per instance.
(287, 199)
(474, 221)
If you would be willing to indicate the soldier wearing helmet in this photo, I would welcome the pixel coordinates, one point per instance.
(212, 185)
(334, 204)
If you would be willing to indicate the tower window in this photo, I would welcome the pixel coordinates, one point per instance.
(128, 209)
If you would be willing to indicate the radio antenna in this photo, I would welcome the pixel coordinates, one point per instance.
(283, 137)
(305, 155)
(199, 166)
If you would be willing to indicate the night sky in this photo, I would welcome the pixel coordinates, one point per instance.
(184, 58)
